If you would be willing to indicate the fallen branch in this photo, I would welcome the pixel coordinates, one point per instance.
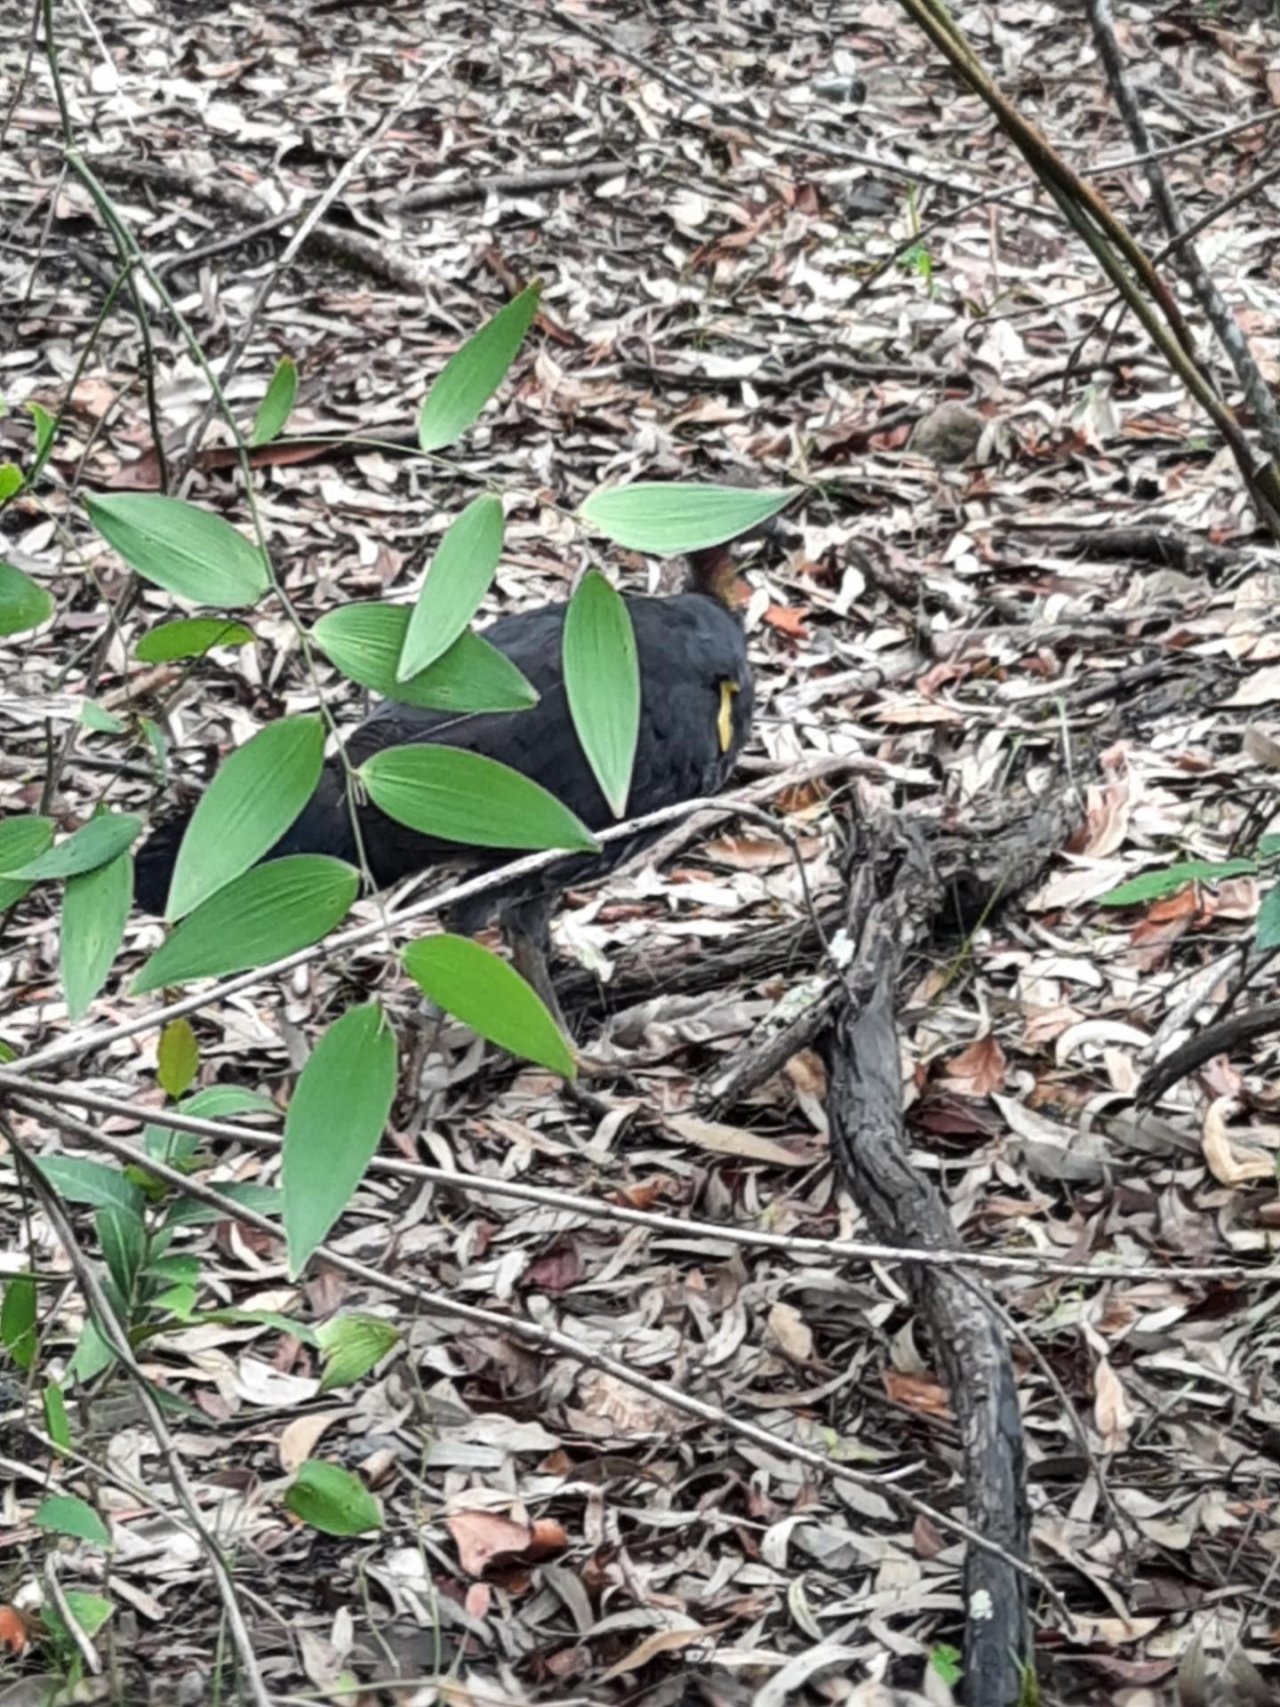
(506, 184)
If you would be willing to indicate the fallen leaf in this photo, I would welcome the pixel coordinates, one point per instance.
(482, 1536)
(1230, 1164)
(736, 1141)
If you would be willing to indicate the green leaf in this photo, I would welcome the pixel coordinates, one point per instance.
(82, 1181)
(10, 480)
(262, 1199)
(184, 549)
(945, 1660)
(96, 843)
(666, 517)
(251, 802)
(463, 797)
(457, 580)
(481, 990)
(23, 604)
(335, 1119)
(332, 1500)
(65, 1514)
(158, 743)
(93, 1353)
(18, 1320)
(1152, 884)
(1268, 847)
(1267, 929)
(100, 720)
(261, 916)
(123, 1239)
(45, 426)
(191, 637)
(90, 1612)
(55, 1417)
(178, 1058)
(94, 911)
(602, 680)
(351, 1346)
(21, 841)
(365, 640)
(216, 1102)
(277, 406)
(470, 378)
(163, 1144)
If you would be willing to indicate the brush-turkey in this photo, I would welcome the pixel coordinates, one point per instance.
(695, 715)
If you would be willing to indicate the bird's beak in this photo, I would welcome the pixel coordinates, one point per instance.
(724, 723)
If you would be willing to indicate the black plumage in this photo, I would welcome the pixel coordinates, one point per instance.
(696, 708)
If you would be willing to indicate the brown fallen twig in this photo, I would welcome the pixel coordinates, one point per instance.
(506, 183)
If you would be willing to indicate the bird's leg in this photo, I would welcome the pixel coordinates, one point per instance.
(527, 927)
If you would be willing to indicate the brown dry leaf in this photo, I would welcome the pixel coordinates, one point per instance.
(1230, 1164)
(661, 1642)
(482, 1536)
(626, 1409)
(725, 1140)
(749, 853)
(789, 1333)
(1112, 1412)
(917, 1393)
(299, 1439)
(977, 1070)
(1106, 824)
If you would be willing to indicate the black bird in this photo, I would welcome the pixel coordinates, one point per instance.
(695, 714)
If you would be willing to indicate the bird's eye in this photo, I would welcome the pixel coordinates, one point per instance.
(724, 722)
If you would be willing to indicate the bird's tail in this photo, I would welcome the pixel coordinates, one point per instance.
(154, 862)
(323, 827)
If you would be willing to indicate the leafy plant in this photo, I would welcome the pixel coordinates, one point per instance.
(1167, 880)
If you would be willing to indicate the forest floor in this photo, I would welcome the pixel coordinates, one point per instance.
(781, 286)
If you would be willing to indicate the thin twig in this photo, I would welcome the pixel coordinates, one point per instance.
(716, 807)
(662, 1226)
(115, 1335)
(545, 1339)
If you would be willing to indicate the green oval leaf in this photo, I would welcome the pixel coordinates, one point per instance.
(277, 406)
(457, 580)
(350, 1346)
(96, 843)
(82, 1181)
(45, 425)
(178, 1058)
(10, 480)
(18, 1320)
(67, 1514)
(256, 795)
(94, 910)
(264, 914)
(1153, 884)
(216, 1102)
(1268, 926)
(462, 797)
(192, 637)
(602, 680)
(184, 549)
(667, 517)
(23, 604)
(470, 378)
(335, 1119)
(481, 990)
(21, 840)
(365, 640)
(332, 1500)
